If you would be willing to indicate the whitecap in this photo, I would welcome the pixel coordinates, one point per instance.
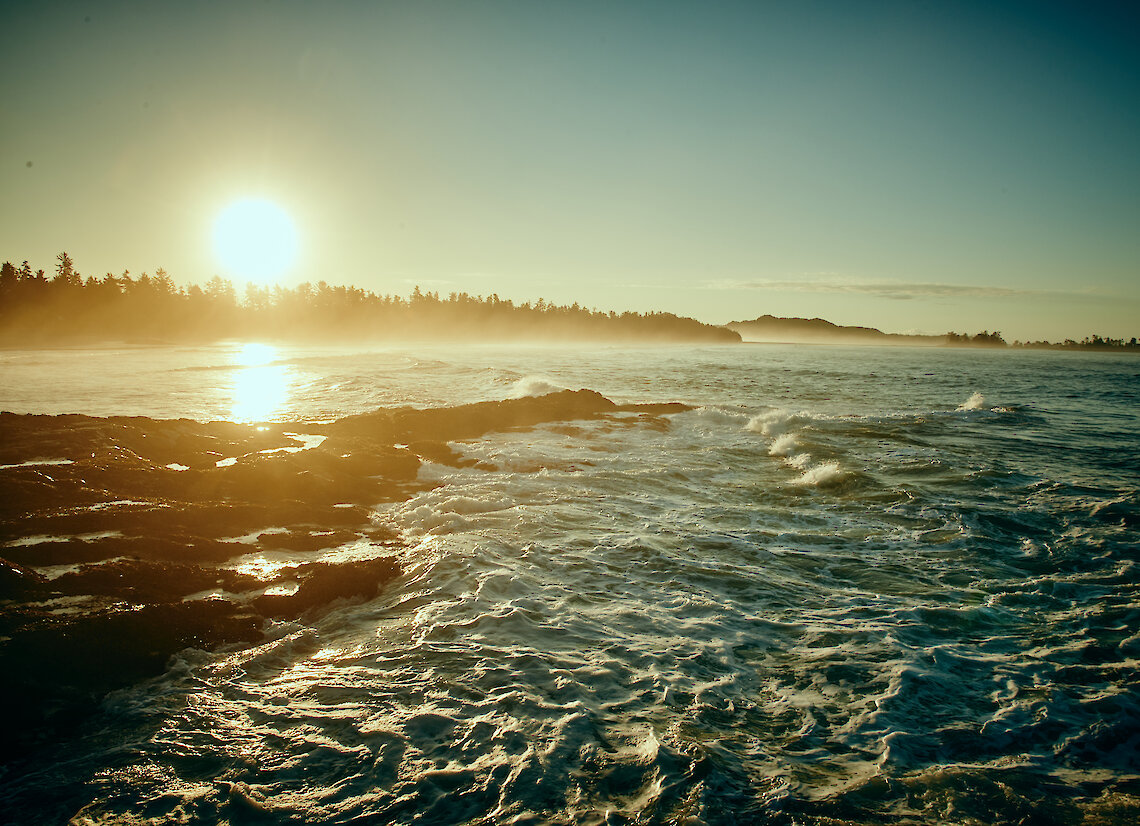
(976, 402)
(784, 445)
(716, 415)
(533, 386)
(773, 423)
(822, 475)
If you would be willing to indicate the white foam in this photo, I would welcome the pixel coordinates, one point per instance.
(976, 402)
(471, 504)
(715, 415)
(436, 512)
(773, 423)
(822, 475)
(308, 441)
(784, 445)
(534, 386)
(39, 463)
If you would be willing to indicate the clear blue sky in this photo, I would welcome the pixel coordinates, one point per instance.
(913, 166)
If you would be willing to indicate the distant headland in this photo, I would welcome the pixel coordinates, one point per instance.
(769, 328)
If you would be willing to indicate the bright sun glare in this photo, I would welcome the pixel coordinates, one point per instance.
(260, 387)
(255, 240)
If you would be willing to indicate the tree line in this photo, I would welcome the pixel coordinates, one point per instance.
(1094, 342)
(66, 307)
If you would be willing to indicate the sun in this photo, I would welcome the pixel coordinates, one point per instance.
(255, 240)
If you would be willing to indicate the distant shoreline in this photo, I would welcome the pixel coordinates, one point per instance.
(67, 310)
(777, 330)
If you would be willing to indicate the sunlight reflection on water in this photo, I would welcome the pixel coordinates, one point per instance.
(261, 388)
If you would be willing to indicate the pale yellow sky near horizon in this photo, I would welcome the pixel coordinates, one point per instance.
(912, 167)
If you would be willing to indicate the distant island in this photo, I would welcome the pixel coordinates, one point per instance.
(67, 309)
(769, 328)
(818, 331)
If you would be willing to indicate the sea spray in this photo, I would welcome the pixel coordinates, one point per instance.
(976, 402)
(783, 445)
(772, 423)
(533, 386)
(822, 475)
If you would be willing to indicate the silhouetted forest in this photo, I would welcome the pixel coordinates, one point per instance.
(67, 308)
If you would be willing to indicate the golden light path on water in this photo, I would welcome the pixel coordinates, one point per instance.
(260, 387)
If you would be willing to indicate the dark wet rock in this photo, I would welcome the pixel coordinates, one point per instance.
(419, 427)
(98, 493)
(18, 582)
(160, 442)
(196, 526)
(661, 409)
(381, 534)
(313, 476)
(321, 583)
(469, 421)
(145, 581)
(118, 647)
(305, 540)
(178, 547)
(30, 489)
(55, 673)
(432, 450)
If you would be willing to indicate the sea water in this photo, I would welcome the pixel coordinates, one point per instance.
(851, 586)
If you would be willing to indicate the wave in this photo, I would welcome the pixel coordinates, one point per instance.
(783, 445)
(772, 423)
(976, 402)
(822, 475)
(533, 386)
(716, 617)
(447, 513)
(719, 416)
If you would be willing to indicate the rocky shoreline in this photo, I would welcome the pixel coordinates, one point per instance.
(119, 536)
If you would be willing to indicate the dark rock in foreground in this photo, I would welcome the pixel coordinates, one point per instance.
(150, 517)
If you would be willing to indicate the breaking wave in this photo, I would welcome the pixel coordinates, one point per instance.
(533, 386)
(976, 402)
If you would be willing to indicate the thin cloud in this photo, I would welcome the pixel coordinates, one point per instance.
(890, 289)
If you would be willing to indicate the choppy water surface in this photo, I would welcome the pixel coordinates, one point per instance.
(852, 586)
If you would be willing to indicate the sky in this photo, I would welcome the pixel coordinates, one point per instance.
(908, 165)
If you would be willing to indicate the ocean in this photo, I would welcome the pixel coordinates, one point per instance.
(845, 586)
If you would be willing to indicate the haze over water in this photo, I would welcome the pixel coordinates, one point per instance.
(851, 586)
